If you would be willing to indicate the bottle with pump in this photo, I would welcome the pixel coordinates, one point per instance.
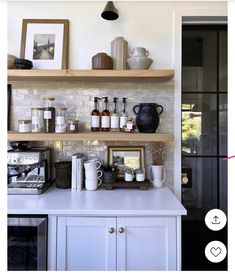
(123, 117)
(105, 117)
(95, 116)
(115, 117)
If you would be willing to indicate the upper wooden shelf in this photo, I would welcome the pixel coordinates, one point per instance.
(89, 75)
(86, 136)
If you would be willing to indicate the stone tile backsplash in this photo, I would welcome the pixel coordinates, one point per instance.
(78, 98)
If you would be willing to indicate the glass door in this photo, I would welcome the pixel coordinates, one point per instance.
(204, 137)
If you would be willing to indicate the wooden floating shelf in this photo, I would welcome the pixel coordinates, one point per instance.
(89, 75)
(91, 136)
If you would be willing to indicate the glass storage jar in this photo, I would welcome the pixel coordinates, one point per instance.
(49, 115)
(73, 126)
(37, 119)
(60, 120)
(24, 125)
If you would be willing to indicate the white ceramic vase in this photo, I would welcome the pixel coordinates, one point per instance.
(139, 59)
(119, 53)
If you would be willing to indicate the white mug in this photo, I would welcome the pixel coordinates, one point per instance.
(92, 184)
(91, 164)
(95, 159)
(157, 175)
(93, 174)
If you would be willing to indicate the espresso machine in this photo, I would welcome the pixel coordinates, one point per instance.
(28, 170)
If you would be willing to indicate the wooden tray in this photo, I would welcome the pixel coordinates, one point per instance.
(122, 184)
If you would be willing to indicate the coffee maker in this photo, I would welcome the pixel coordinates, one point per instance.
(28, 170)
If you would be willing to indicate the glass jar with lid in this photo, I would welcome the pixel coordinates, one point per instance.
(49, 115)
(37, 119)
(24, 126)
(60, 120)
(73, 126)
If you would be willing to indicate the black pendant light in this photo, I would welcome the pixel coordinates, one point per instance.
(110, 12)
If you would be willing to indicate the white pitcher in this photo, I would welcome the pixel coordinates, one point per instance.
(157, 175)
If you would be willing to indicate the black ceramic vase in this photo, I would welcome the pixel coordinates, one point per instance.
(147, 118)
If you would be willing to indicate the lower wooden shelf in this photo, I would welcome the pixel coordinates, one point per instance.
(86, 136)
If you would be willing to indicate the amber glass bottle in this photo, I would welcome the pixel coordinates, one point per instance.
(95, 116)
(49, 115)
(105, 117)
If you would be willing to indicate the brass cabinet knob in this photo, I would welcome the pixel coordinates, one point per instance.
(111, 230)
(121, 229)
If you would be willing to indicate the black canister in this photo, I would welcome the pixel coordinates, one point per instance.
(109, 175)
(147, 118)
(63, 174)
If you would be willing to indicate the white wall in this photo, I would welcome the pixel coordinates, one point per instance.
(147, 24)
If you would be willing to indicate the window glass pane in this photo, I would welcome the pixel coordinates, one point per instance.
(223, 185)
(223, 119)
(199, 60)
(201, 196)
(199, 124)
(223, 60)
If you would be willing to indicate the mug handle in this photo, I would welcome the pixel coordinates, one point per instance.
(99, 182)
(150, 172)
(98, 164)
(164, 174)
(99, 174)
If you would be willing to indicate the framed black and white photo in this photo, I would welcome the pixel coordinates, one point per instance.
(45, 43)
(126, 156)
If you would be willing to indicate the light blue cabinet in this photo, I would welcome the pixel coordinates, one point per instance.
(116, 243)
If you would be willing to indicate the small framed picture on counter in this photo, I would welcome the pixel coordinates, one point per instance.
(45, 43)
(126, 156)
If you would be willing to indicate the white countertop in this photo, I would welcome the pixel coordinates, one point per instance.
(118, 202)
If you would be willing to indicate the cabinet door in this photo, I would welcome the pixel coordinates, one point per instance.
(86, 244)
(146, 243)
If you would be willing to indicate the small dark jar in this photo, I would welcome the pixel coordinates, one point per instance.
(102, 61)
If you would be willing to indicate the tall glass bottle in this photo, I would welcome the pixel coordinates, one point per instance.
(123, 117)
(49, 115)
(115, 117)
(95, 116)
(105, 117)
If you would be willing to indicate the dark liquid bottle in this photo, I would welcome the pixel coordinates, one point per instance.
(95, 116)
(105, 117)
(49, 115)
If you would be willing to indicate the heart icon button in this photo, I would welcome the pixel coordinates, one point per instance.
(215, 251)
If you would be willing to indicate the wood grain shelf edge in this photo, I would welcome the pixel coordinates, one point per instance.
(112, 75)
(90, 136)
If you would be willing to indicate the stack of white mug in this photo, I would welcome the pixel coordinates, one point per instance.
(93, 174)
